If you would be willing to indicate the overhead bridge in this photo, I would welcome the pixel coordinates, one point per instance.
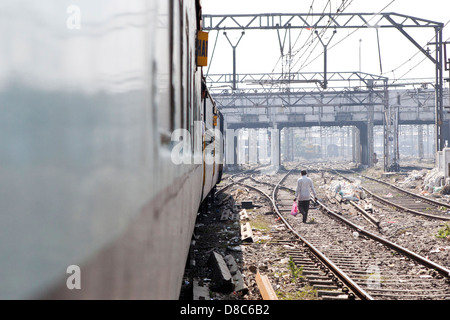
(281, 102)
(276, 101)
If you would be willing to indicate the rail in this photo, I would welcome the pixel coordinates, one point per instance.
(341, 275)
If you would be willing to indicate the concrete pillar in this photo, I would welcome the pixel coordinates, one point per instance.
(288, 150)
(291, 144)
(364, 142)
(430, 145)
(446, 132)
(354, 144)
(230, 148)
(356, 150)
(263, 140)
(252, 146)
(275, 147)
(369, 140)
(420, 141)
(323, 139)
(241, 147)
(350, 142)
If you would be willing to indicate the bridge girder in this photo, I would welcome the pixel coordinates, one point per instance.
(342, 20)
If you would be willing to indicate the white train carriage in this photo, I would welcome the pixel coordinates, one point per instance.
(92, 205)
(213, 146)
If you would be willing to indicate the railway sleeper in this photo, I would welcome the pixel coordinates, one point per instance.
(200, 290)
(238, 280)
(321, 282)
(332, 295)
(325, 287)
(221, 275)
(319, 278)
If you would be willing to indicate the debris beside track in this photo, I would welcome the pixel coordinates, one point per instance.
(419, 235)
(219, 237)
(266, 250)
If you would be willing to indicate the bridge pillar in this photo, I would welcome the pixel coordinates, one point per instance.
(446, 132)
(231, 144)
(420, 141)
(263, 141)
(363, 139)
(252, 146)
(356, 145)
(275, 147)
(288, 145)
(241, 151)
(366, 143)
(290, 133)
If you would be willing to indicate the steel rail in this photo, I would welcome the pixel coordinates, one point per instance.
(347, 281)
(366, 215)
(438, 203)
(335, 269)
(236, 174)
(353, 287)
(424, 261)
(339, 274)
(432, 216)
(431, 201)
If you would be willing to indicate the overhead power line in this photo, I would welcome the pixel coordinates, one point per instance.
(346, 37)
(410, 59)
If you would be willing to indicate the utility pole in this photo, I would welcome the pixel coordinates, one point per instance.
(439, 109)
(234, 56)
(370, 123)
(325, 58)
(282, 44)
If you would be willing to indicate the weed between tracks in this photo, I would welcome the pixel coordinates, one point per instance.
(261, 223)
(297, 272)
(298, 290)
(307, 293)
(444, 232)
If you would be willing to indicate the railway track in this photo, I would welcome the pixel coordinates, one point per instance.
(349, 262)
(404, 200)
(317, 269)
(382, 268)
(412, 227)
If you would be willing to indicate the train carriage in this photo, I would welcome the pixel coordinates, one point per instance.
(92, 204)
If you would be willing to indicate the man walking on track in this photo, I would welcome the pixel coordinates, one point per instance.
(303, 194)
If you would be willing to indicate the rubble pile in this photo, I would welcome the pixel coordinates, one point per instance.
(351, 191)
(428, 183)
(235, 238)
(414, 180)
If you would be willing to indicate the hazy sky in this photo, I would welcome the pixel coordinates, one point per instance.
(259, 51)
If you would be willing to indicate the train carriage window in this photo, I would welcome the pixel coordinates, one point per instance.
(190, 84)
(163, 69)
(170, 47)
(189, 92)
(183, 71)
(177, 65)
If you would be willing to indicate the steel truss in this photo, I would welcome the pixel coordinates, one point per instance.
(261, 89)
(314, 21)
(348, 21)
(268, 91)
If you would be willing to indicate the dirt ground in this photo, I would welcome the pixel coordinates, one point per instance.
(266, 253)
